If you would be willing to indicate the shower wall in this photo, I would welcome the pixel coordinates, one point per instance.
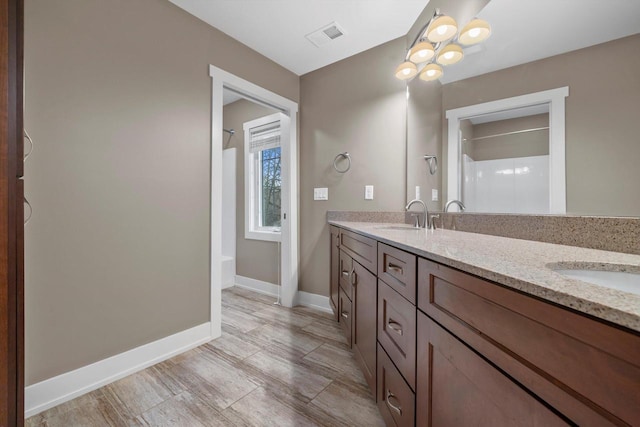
(255, 259)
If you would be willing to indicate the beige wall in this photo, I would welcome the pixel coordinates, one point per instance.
(602, 139)
(256, 259)
(354, 105)
(509, 146)
(118, 103)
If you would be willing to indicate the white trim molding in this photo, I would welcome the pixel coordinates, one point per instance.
(307, 299)
(54, 391)
(555, 98)
(289, 231)
(318, 302)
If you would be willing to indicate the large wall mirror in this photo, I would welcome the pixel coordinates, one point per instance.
(599, 70)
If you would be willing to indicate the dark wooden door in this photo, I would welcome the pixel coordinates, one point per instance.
(364, 322)
(456, 387)
(334, 282)
(11, 225)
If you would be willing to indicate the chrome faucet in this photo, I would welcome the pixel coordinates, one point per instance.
(425, 212)
(457, 202)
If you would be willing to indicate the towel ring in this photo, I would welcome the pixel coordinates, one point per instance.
(344, 155)
(432, 161)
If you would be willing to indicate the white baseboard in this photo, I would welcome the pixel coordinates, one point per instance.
(259, 286)
(60, 389)
(315, 301)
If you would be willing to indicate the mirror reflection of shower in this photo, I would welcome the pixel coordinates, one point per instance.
(505, 161)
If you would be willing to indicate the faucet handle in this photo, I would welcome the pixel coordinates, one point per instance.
(433, 221)
(416, 222)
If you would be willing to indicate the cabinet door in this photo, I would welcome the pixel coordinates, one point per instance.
(364, 322)
(334, 282)
(456, 387)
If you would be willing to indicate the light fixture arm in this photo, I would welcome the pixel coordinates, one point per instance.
(420, 35)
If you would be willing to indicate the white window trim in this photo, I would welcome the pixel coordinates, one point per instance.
(555, 98)
(252, 183)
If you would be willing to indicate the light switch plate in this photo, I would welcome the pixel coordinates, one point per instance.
(417, 192)
(368, 192)
(321, 193)
(434, 195)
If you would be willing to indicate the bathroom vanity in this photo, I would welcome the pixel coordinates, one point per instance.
(453, 328)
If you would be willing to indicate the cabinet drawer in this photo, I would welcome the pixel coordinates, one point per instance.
(398, 269)
(346, 272)
(397, 330)
(586, 369)
(456, 387)
(345, 315)
(396, 401)
(362, 249)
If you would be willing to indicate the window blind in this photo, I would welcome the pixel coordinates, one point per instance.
(264, 137)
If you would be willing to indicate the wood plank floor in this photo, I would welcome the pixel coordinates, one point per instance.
(273, 366)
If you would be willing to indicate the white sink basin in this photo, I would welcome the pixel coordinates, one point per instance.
(619, 280)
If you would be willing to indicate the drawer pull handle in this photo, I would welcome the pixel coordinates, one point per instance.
(345, 314)
(345, 273)
(394, 268)
(397, 408)
(395, 326)
(354, 277)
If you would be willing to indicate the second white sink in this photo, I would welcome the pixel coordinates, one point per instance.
(620, 280)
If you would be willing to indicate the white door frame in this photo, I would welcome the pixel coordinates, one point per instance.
(555, 98)
(289, 259)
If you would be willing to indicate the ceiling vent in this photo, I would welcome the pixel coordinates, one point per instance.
(326, 34)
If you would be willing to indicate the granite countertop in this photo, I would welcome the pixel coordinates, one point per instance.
(520, 264)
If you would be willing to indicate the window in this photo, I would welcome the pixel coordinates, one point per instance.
(263, 182)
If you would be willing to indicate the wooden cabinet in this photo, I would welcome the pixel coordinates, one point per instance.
(456, 387)
(475, 352)
(398, 269)
(361, 248)
(397, 330)
(587, 370)
(346, 270)
(396, 400)
(334, 281)
(364, 322)
(344, 305)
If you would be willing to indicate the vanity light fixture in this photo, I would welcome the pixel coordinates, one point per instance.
(438, 42)
(422, 52)
(431, 72)
(450, 54)
(406, 70)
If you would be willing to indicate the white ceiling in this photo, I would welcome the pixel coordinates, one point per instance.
(526, 30)
(522, 30)
(277, 28)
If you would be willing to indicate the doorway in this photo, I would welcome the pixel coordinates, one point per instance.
(222, 82)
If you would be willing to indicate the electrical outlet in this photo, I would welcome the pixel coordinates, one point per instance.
(368, 192)
(417, 192)
(321, 193)
(434, 195)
